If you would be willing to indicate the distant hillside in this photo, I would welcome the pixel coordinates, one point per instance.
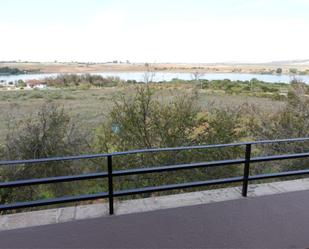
(290, 62)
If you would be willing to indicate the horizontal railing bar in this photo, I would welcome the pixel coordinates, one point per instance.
(53, 201)
(176, 186)
(288, 140)
(68, 158)
(53, 159)
(210, 146)
(176, 167)
(280, 174)
(148, 170)
(279, 157)
(20, 183)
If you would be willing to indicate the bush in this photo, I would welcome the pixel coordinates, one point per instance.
(36, 94)
(290, 122)
(84, 81)
(279, 71)
(84, 86)
(50, 132)
(293, 70)
(145, 122)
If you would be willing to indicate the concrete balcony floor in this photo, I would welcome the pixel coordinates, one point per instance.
(272, 221)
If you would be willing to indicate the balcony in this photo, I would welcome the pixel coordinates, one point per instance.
(251, 215)
(271, 217)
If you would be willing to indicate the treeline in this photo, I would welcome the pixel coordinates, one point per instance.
(254, 87)
(15, 71)
(82, 81)
(144, 121)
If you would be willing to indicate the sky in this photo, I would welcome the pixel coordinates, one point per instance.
(184, 31)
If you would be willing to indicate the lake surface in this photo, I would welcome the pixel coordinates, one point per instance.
(162, 76)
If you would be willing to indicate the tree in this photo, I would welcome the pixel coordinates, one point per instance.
(49, 132)
(144, 122)
(292, 121)
(21, 83)
(279, 71)
(196, 76)
(293, 70)
(149, 74)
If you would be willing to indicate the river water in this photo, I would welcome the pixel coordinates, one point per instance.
(162, 76)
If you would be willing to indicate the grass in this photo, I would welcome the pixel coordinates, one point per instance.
(89, 107)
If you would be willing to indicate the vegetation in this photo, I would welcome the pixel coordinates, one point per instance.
(291, 122)
(47, 133)
(253, 87)
(293, 70)
(144, 122)
(84, 81)
(279, 70)
(72, 121)
(13, 71)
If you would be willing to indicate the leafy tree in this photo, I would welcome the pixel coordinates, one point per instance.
(279, 71)
(290, 122)
(144, 122)
(75, 80)
(49, 132)
(293, 70)
(21, 83)
(8, 70)
(149, 74)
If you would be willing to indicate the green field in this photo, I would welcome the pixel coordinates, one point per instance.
(89, 107)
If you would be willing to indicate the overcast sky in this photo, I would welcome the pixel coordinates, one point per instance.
(154, 30)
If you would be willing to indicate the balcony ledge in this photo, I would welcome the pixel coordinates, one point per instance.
(81, 212)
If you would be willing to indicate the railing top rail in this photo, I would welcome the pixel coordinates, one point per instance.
(153, 150)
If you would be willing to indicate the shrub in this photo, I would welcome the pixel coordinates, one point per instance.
(49, 132)
(279, 71)
(36, 94)
(293, 70)
(145, 122)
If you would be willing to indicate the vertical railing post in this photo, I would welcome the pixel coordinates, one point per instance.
(110, 184)
(246, 170)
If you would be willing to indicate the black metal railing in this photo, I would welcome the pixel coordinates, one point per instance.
(110, 174)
